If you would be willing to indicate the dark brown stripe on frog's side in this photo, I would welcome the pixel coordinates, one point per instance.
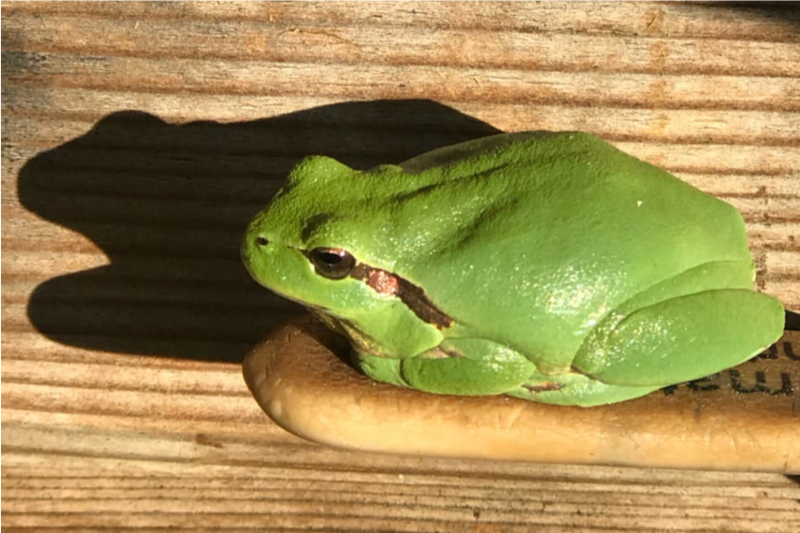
(544, 387)
(414, 297)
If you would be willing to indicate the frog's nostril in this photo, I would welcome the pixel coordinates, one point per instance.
(262, 241)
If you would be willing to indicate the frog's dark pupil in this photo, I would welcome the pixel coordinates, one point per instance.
(262, 241)
(329, 258)
(333, 263)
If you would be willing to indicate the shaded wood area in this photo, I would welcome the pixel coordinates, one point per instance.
(139, 139)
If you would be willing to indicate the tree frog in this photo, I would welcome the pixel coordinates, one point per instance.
(549, 266)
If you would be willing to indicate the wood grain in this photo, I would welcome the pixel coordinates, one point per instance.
(139, 138)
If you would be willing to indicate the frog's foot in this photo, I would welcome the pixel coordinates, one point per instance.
(447, 369)
(575, 389)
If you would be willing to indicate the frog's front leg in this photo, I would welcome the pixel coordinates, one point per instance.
(502, 371)
(470, 367)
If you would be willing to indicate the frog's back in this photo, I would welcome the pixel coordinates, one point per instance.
(569, 227)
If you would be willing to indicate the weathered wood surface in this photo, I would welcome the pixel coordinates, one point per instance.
(126, 312)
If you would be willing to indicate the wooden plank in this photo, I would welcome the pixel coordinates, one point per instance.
(745, 418)
(126, 311)
(318, 42)
(774, 24)
(442, 83)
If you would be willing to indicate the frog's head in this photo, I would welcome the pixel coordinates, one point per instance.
(324, 241)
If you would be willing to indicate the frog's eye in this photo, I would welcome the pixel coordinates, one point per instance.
(333, 263)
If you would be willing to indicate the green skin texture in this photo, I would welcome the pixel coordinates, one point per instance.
(574, 273)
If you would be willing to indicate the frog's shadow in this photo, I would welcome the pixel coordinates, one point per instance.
(168, 205)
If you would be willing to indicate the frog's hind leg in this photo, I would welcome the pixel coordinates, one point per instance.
(677, 333)
(689, 326)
